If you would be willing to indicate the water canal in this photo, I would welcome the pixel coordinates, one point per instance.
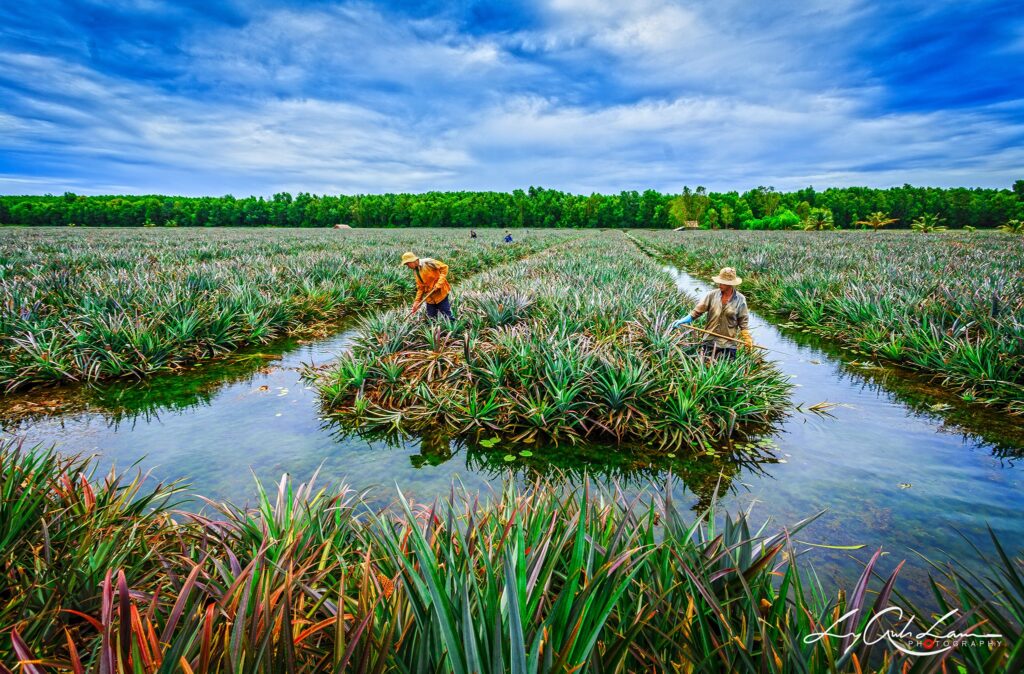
(895, 461)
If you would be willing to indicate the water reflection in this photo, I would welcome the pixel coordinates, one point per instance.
(704, 473)
(924, 395)
(219, 425)
(975, 425)
(130, 402)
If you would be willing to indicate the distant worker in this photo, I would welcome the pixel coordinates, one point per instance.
(508, 237)
(727, 316)
(431, 285)
(472, 233)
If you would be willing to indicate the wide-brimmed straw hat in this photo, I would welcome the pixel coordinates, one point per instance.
(728, 277)
(409, 257)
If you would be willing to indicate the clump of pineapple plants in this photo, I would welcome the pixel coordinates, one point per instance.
(100, 575)
(90, 305)
(573, 343)
(949, 305)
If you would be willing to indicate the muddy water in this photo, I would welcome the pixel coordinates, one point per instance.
(896, 462)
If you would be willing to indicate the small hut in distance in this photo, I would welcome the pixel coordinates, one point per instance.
(342, 226)
(690, 224)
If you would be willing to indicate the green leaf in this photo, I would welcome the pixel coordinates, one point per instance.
(490, 443)
(510, 457)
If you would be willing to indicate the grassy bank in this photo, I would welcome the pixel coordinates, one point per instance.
(88, 305)
(95, 575)
(571, 343)
(951, 304)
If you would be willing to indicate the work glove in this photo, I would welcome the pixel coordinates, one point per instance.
(682, 321)
(748, 340)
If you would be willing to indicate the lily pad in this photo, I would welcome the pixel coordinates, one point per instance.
(526, 453)
(490, 442)
(510, 458)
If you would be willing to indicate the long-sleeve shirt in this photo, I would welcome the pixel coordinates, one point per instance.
(729, 320)
(431, 281)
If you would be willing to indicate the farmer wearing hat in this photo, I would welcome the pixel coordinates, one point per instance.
(431, 285)
(727, 316)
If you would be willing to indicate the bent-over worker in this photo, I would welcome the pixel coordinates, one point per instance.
(431, 285)
(727, 316)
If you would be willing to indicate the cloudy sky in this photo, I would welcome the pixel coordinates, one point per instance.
(204, 97)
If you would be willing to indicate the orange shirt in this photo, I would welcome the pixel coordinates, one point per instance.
(431, 281)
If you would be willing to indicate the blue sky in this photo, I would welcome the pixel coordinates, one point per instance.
(206, 97)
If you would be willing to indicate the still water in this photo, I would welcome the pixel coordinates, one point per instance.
(896, 462)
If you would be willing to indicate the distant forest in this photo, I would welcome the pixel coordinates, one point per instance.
(760, 208)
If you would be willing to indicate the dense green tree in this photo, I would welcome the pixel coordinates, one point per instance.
(764, 201)
(534, 207)
(711, 219)
(727, 216)
(689, 206)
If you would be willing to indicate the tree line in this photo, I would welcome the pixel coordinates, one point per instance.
(759, 208)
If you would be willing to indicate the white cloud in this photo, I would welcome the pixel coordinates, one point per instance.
(271, 141)
(725, 143)
(650, 94)
(351, 52)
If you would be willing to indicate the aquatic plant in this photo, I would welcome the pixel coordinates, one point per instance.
(951, 305)
(89, 305)
(571, 343)
(540, 578)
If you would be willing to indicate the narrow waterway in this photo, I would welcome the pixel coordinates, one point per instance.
(896, 463)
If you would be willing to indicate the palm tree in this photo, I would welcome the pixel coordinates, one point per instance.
(928, 223)
(1013, 227)
(819, 220)
(878, 220)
